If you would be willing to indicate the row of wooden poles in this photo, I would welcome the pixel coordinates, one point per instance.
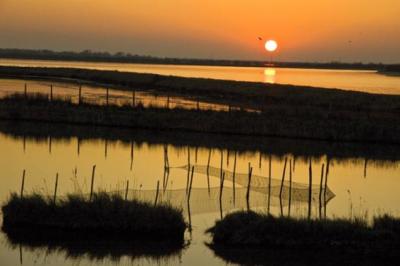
(91, 187)
(107, 97)
(189, 182)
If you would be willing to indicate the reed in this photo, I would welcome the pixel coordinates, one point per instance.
(105, 215)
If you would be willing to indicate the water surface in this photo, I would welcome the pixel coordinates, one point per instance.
(357, 80)
(362, 185)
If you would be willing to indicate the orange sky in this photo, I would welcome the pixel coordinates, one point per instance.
(309, 30)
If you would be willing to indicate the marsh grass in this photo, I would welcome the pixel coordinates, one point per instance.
(307, 122)
(260, 230)
(104, 217)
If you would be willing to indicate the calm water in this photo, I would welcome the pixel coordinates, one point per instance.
(366, 81)
(360, 186)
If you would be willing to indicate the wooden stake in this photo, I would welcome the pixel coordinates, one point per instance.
(55, 190)
(188, 172)
(309, 189)
(127, 189)
(320, 191)
(281, 189)
(51, 93)
(290, 187)
(133, 98)
(92, 183)
(80, 95)
(49, 144)
(168, 102)
(220, 193)
(283, 179)
(158, 189)
(208, 171)
(105, 148)
(222, 159)
(248, 188)
(107, 95)
(234, 179)
(326, 183)
(23, 184)
(269, 183)
(25, 91)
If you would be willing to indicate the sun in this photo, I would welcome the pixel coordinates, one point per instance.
(271, 46)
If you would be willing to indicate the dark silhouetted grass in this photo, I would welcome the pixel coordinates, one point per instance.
(104, 217)
(253, 229)
(308, 122)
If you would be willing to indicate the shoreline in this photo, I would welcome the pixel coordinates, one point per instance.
(297, 124)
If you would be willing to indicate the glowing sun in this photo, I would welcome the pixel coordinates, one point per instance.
(271, 46)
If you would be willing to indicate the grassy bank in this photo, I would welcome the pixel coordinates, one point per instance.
(259, 230)
(305, 123)
(252, 95)
(104, 217)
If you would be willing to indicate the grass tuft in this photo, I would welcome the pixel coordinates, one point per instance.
(105, 216)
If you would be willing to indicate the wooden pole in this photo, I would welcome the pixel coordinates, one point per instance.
(234, 179)
(259, 161)
(188, 172)
(248, 188)
(283, 179)
(23, 184)
(80, 95)
(158, 189)
(168, 102)
(281, 189)
(195, 154)
(132, 146)
(78, 148)
(309, 189)
(51, 93)
(326, 183)
(24, 143)
(50, 144)
(220, 193)
(188, 199)
(222, 159)
(198, 104)
(269, 183)
(190, 183)
(127, 189)
(25, 91)
(105, 148)
(365, 167)
(290, 186)
(320, 191)
(107, 95)
(92, 183)
(133, 98)
(55, 190)
(208, 171)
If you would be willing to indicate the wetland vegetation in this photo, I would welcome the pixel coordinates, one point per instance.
(102, 216)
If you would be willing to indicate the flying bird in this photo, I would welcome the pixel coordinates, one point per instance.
(259, 38)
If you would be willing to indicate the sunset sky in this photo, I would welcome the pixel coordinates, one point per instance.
(309, 30)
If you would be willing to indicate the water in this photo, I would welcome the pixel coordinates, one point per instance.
(357, 80)
(364, 180)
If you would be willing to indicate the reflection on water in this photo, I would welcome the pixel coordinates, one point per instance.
(357, 184)
(269, 74)
(358, 80)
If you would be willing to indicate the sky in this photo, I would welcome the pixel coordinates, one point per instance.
(308, 30)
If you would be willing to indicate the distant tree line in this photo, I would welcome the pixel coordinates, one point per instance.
(121, 57)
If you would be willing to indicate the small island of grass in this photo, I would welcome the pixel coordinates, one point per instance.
(103, 217)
